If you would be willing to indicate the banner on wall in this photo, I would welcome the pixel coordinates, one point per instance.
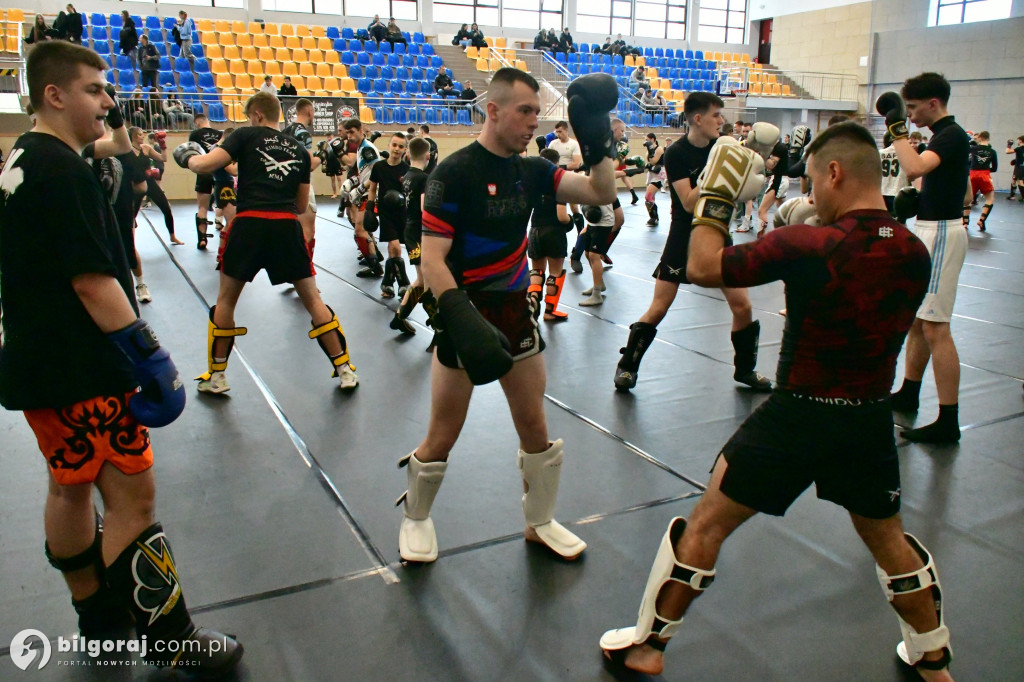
(328, 112)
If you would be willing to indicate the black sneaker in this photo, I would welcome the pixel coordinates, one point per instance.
(756, 381)
(624, 379)
(402, 325)
(371, 271)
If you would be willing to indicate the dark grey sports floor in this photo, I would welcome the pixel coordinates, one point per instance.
(279, 498)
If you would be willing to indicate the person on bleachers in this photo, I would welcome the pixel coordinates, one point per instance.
(394, 34)
(175, 114)
(653, 102)
(40, 31)
(553, 41)
(377, 30)
(565, 43)
(74, 25)
(268, 86)
(638, 79)
(467, 96)
(608, 48)
(185, 28)
(149, 62)
(136, 111)
(462, 37)
(443, 84)
(287, 89)
(540, 41)
(477, 36)
(129, 41)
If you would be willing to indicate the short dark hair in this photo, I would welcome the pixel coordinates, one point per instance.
(854, 146)
(399, 134)
(929, 85)
(303, 104)
(266, 104)
(700, 103)
(837, 118)
(549, 154)
(352, 123)
(424, 127)
(419, 149)
(52, 63)
(562, 124)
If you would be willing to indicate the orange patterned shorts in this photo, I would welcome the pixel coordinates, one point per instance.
(76, 440)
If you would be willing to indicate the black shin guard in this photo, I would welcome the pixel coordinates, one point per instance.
(100, 615)
(641, 335)
(401, 277)
(744, 343)
(201, 236)
(985, 211)
(406, 307)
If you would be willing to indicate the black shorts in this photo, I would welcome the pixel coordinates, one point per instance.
(413, 236)
(390, 229)
(126, 227)
(547, 241)
(1018, 172)
(509, 311)
(224, 195)
(672, 266)
(847, 451)
(597, 238)
(204, 183)
(266, 240)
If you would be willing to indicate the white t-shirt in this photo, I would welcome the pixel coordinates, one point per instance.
(566, 150)
(607, 216)
(893, 177)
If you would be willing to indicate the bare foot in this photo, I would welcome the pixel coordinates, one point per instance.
(641, 658)
(175, 240)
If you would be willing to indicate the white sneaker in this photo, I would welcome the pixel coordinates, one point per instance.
(217, 383)
(744, 225)
(142, 293)
(347, 377)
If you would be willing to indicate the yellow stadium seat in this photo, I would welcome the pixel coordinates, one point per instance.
(757, 67)
(510, 55)
(243, 40)
(744, 58)
(299, 56)
(16, 15)
(277, 79)
(248, 53)
(214, 52)
(13, 44)
(260, 40)
(772, 78)
(255, 68)
(331, 85)
(302, 31)
(347, 85)
(325, 44)
(366, 115)
(222, 26)
(298, 81)
(314, 83)
(283, 54)
(255, 28)
(228, 95)
(316, 56)
(208, 38)
(318, 31)
(323, 70)
(239, 27)
(331, 56)
(289, 68)
(236, 66)
(218, 66)
(481, 65)
(276, 41)
(204, 25)
(521, 65)
(271, 30)
(237, 114)
(640, 61)
(339, 71)
(273, 68)
(231, 53)
(754, 89)
(226, 39)
(786, 91)
(224, 81)
(243, 81)
(500, 42)
(293, 42)
(309, 43)
(266, 54)
(287, 30)
(776, 89)
(484, 52)
(628, 61)
(306, 69)
(472, 52)
(494, 64)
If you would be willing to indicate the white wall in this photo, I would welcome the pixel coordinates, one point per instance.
(765, 9)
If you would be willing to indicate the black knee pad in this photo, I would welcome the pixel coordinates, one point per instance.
(93, 556)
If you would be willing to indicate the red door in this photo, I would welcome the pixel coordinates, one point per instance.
(764, 48)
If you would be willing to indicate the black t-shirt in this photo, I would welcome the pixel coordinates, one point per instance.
(55, 223)
(983, 158)
(432, 158)
(388, 177)
(133, 171)
(413, 184)
(271, 166)
(300, 133)
(545, 213)
(682, 160)
(208, 137)
(943, 190)
(482, 202)
(1019, 158)
(287, 90)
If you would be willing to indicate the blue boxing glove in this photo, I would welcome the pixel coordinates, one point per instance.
(162, 398)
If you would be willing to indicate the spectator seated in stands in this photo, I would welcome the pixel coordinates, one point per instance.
(40, 32)
(621, 48)
(149, 62)
(287, 89)
(268, 86)
(476, 36)
(540, 41)
(74, 25)
(136, 110)
(443, 84)
(377, 30)
(553, 41)
(653, 102)
(638, 79)
(462, 37)
(565, 43)
(178, 117)
(467, 96)
(609, 47)
(394, 33)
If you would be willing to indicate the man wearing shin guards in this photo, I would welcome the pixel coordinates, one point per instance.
(206, 136)
(273, 190)
(475, 213)
(87, 411)
(829, 422)
(684, 162)
(984, 163)
(547, 250)
(413, 184)
(385, 208)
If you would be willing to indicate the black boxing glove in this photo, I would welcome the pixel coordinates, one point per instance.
(483, 350)
(593, 214)
(892, 106)
(591, 97)
(370, 223)
(905, 204)
(115, 119)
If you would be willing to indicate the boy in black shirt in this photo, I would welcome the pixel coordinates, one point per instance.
(63, 259)
(548, 247)
(413, 184)
(432, 156)
(299, 129)
(273, 189)
(385, 206)
(208, 137)
(1018, 166)
(984, 162)
(684, 161)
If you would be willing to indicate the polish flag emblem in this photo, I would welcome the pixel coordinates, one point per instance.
(492, 189)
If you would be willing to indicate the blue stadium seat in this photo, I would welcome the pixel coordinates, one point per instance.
(340, 45)
(429, 75)
(585, 48)
(561, 58)
(206, 81)
(617, 60)
(417, 37)
(170, 23)
(362, 34)
(201, 66)
(427, 48)
(181, 65)
(126, 80)
(416, 73)
(333, 33)
(166, 79)
(98, 19)
(98, 32)
(412, 87)
(153, 23)
(216, 113)
(347, 33)
(348, 58)
(379, 58)
(355, 71)
(102, 47)
(186, 79)
(124, 63)
(462, 118)
(355, 45)
(362, 58)
(402, 73)
(384, 48)
(138, 21)
(370, 46)
(433, 115)
(395, 59)
(436, 62)
(110, 77)
(699, 54)
(387, 73)
(397, 87)
(414, 48)
(400, 49)
(402, 116)
(115, 20)
(659, 52)
(365, 85)
(659, 120)
(371, 72)
(386, 116)
(161, 49)
(115, 33)
(574, 58)
(408, 60)
(109, 59)
(423, 60)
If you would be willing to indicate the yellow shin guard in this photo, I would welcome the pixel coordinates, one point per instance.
(332, 326)
(212, 333)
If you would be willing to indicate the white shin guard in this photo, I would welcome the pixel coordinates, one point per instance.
(916, 644)
(541, 472)
(417, 540)
(665, 569)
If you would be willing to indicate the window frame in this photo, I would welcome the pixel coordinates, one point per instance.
(632, 18)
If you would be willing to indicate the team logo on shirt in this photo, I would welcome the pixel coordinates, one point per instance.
(278, 170)
(492, 189)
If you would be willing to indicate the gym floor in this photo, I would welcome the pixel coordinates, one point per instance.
(278, 497)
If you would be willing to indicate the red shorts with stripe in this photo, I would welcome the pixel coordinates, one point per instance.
(266, 240)
(510, 312)
(76, 440)
(981, 181)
